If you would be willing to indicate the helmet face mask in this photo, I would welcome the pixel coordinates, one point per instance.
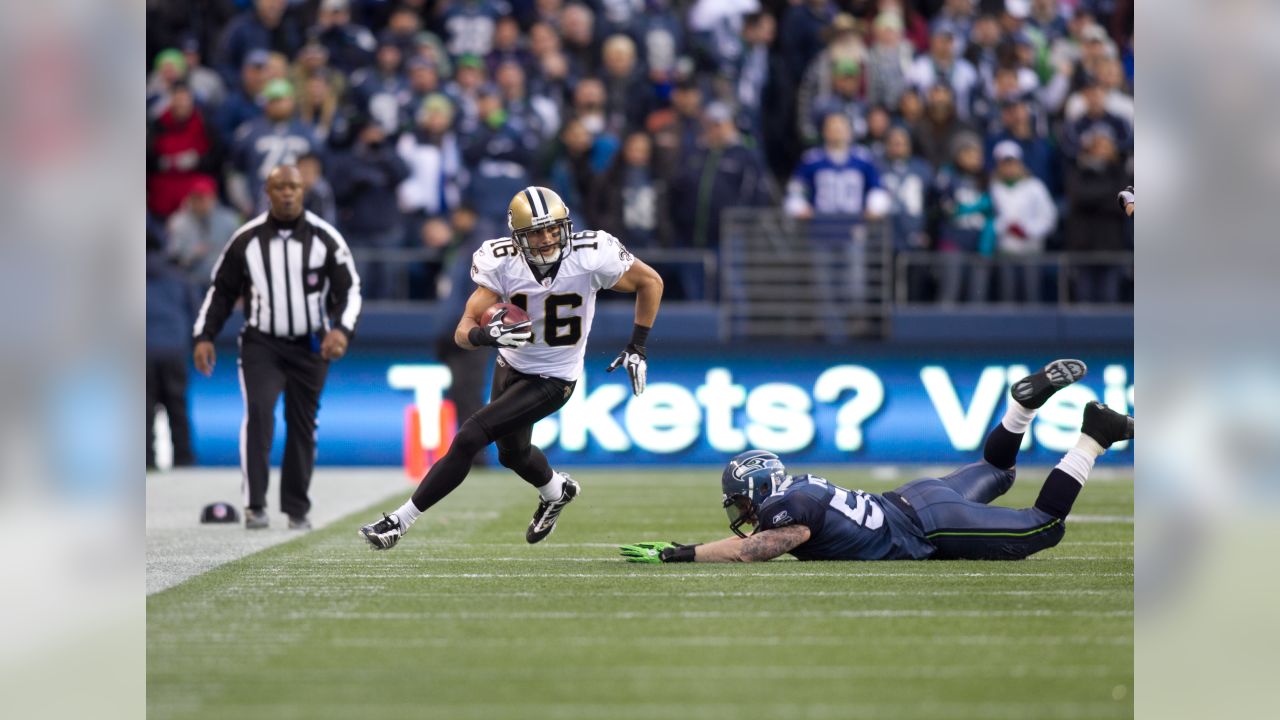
(747, 480)
(540, 226)
(741, 512)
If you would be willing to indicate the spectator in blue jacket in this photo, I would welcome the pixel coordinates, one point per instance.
(364, 180)
(380, 91)
(351, 46)
(267, 26)
(498, 156)
(170, 314)
(242, 103)
(1038, 154)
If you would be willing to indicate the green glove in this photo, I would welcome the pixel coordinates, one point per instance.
(646, 552)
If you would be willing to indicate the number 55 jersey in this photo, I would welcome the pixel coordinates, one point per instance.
(561, 305)
(843, 524)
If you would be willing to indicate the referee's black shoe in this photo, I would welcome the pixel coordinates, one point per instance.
(256, 519)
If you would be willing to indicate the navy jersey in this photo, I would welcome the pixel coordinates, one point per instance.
(260, 145)
(843, 524)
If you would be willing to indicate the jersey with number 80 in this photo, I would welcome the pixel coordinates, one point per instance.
(843, 524)
(562, 306)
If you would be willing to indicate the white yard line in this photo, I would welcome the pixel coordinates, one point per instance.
(697, 614)
(659, 574)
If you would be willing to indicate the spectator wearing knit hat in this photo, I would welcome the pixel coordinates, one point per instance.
(198, 230)
(277, 137)
(845, 98)
(430, 150)
(889, 61)
(168, 68)
(1025, 216)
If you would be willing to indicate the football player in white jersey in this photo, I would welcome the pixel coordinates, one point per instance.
(554, 274)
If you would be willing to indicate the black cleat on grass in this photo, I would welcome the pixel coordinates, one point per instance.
(1034, 390)
(1105, 425)
(384, 534)
(544, 518)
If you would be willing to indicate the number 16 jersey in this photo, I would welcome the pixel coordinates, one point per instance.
(561, 305)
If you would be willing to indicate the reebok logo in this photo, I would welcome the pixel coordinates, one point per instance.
(782, 518)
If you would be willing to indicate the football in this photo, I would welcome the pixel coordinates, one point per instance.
(514, 314)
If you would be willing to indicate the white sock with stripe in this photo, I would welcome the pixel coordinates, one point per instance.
(1079, 460)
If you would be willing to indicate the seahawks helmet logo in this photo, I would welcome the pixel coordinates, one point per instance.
(748, 466)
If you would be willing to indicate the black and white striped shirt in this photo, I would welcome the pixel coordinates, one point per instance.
(295, 279)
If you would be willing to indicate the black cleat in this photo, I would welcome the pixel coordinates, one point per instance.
(1105, 425)
(1034, 390)
(384, 534)
(255, 519)
(544, 518)
(299, 522)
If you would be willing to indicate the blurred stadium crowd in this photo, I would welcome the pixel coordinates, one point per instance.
(996, 130)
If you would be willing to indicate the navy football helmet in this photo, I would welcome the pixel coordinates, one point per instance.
(748, 479)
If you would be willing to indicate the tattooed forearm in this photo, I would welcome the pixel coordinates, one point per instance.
(772, 543)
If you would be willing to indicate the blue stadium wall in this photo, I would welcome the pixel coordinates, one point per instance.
(928, 396)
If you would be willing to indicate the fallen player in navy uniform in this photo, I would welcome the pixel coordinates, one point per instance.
(931, 518)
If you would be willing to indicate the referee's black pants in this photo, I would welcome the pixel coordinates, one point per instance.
(268, 366)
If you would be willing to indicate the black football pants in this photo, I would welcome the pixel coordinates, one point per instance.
(268, 366)
(516, 402)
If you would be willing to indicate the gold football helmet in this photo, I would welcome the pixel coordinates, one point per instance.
(537, 208)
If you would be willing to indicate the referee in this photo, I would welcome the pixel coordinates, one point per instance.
(299, 284)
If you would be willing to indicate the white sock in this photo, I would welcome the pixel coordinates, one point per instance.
(407, 514)
(553, 489)
(1079, 460)
(1017, 418)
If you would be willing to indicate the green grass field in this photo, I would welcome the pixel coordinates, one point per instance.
(464, 620)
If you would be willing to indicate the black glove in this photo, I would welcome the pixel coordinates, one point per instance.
(495, 334)
(633, 359)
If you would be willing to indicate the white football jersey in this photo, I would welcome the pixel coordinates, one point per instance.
(562, 306)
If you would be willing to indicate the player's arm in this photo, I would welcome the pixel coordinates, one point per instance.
(479, 301)
(646, 283)
(764, 545)
(761, 546)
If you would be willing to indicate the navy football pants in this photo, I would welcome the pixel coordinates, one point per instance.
(957, 520)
